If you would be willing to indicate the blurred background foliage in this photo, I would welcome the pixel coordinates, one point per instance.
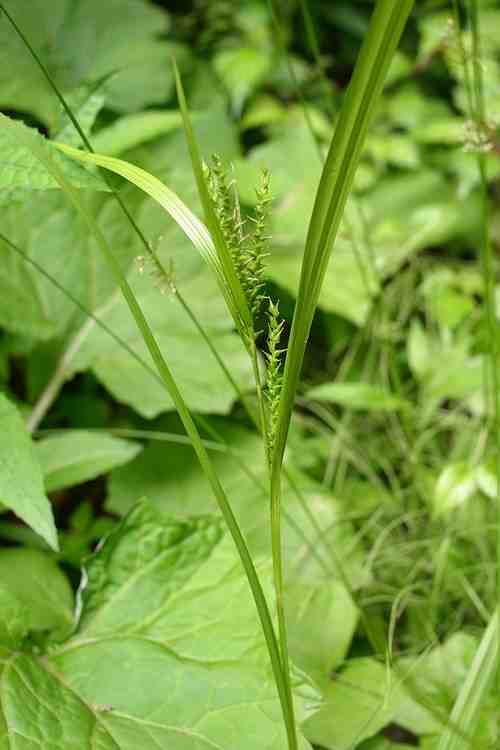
(390, 440)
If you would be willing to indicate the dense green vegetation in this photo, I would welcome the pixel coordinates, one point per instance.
(249, 387)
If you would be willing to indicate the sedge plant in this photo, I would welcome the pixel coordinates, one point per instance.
(237, 263)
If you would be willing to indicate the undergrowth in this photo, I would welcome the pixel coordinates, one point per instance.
(300, 523)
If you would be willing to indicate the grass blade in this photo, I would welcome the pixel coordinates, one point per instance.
(476, 686)
(192, 227)
(385, 29)
(364, 90)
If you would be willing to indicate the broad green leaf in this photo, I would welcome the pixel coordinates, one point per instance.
(52, 233)
(487, 479)
(41, 589)
(75, 457)
(446, 302)
(434, 31)
(393, 148)
(162, 657)
(21, 171)
(85, 103)
(319, 638)
(21, 480)
(146, 557)
(449, 130)
(359, 701)
(322, 620)
(169, 474)
(118, 38)
(419, 350)
(453, 372)
(262, 110)
(357, 396)
(455, 485)
(241, 70)
(133, 130)
(13, 620)
(410, 107)
(205, 387)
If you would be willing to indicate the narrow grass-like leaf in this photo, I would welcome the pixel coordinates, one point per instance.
(183, 411)
(477, 684)
(193, 228)
(385, 29)
(383, 35)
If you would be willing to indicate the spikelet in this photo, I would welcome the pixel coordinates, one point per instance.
(162, 278)
(248, 248)
(224, 198)
(255, 251)
(274, 379)
(479, 136)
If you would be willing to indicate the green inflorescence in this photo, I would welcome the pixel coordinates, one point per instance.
(274, 380)
(248, 244)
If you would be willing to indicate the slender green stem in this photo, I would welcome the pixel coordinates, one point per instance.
(492, 384)
(468, 83)
(291, 70)
(276, 553)
(83, 308)
(312, 40)
(261, 423)
(225, 370)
